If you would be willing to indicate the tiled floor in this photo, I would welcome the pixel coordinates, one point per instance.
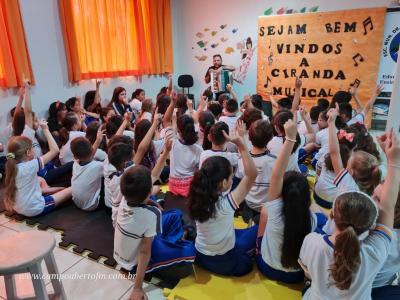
(102, 282)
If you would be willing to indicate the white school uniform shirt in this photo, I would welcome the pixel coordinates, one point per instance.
(275, 145)
(344, 182)
(230, 121)
(391, 266)
(146, 116)
(302, 130)
(28, 198)
(133, 224)
(232, 157)
(317, 254)
(100, 155)
(129, 133)
(358, 118)
(257, 196)
(136, 106)
(30, 133)
(66, 154)
(322, 139)
(325, 187)
(272, 241)
(112, 189)
(184, 159)
(216, 236)
(158, 147)
(86, 184)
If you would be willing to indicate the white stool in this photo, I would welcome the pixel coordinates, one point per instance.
(23, 252)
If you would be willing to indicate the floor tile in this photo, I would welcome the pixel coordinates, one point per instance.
(95, 281)
(19, 226)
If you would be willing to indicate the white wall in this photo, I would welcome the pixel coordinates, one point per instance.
(195, 16)
(46, 48)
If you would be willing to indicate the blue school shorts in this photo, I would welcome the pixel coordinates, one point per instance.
(49, 204)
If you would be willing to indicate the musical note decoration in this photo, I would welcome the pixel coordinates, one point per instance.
(368, 22)
(356, 83)
(267, 82)
(357, 59)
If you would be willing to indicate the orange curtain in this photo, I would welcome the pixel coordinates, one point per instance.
(109, 38)
(14, 57)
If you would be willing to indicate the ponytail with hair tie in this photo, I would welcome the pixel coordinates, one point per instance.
(10, 156)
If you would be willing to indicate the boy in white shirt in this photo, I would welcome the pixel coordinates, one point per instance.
(147, 240)
(86, 173)
(260, 133)
(230, 115)
(218, 147)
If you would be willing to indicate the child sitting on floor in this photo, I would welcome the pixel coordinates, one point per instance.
(220, 248)
(260, 133)
(230, 117)
(23, 190)
(286, 218)
(185, 157)
(218, 142)
(344, 265)
(71, 130)
(145, 239)
(87, 173)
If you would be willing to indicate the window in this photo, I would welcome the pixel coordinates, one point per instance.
(110, 38)
(14, 57)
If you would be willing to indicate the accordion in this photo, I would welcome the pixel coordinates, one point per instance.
(219, 82)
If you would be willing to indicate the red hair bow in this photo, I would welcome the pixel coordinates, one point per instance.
(347, 136)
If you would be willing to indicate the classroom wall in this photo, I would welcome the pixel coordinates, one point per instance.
(47, 54)
(46, 48)
(240, 18)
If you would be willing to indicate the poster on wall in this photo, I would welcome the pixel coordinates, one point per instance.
(390, 48)
(328, 51)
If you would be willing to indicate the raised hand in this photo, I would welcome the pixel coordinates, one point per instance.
(189, 104)
(43, 125)
(298, 83)
(290, 129)
(353, 90)
(378, 90)
(333, 113)
(174, 96)
(235, 139)
(229, 87)
(100, 134)
(304, 113)
(240, 128)
(128, 116)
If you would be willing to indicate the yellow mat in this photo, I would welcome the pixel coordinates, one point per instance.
(203, 285)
